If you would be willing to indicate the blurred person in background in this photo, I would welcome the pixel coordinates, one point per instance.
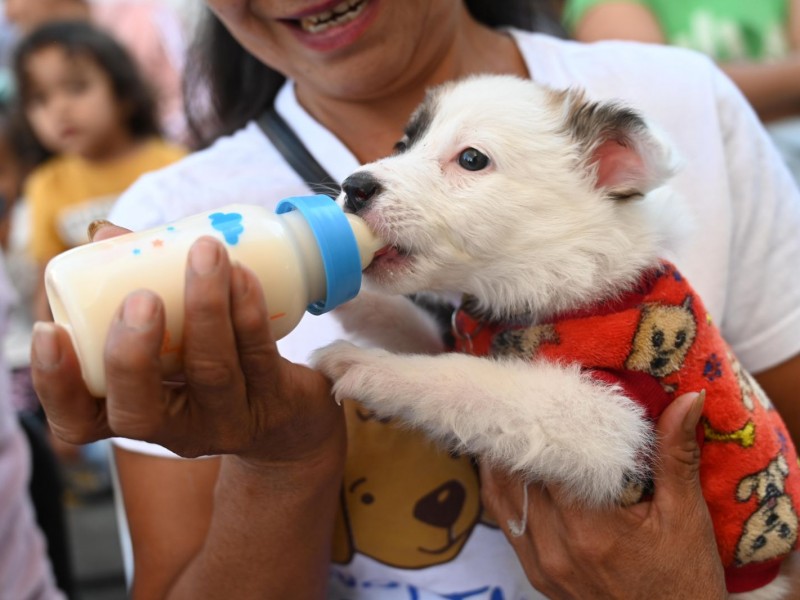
(91, 122)
(757, 44)
(150, 30)
(25, 570)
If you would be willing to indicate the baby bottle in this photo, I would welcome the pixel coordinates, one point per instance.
(308, 255)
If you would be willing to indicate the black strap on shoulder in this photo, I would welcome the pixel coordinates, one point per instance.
(296, 154)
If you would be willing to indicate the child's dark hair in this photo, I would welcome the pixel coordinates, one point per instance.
(79, 38)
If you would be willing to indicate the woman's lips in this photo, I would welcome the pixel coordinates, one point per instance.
(334, 26)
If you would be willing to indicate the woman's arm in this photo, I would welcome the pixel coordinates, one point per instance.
(220, 526)
(619, 21)
(269, 527)
(794, 24)
(169, 516)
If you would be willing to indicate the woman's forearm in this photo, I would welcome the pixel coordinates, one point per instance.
(271, 532)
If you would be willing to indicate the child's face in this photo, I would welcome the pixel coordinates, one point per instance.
(71, 106)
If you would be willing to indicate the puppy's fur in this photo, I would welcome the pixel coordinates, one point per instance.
(553, 219)
(452, 229)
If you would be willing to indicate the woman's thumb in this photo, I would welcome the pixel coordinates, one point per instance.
(678, 464)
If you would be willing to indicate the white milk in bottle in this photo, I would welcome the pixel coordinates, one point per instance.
(308, 255)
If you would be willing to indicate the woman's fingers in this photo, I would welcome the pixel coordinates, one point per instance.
(75, 415)
(678, 470)
(135, 403)
(210, 358)
(258, 351)
(102, 230)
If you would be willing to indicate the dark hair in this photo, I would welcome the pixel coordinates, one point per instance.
(15, 136)
(239, 87)
(79, 38)
(15, 140)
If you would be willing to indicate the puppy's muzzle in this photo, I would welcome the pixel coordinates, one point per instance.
(359, 189)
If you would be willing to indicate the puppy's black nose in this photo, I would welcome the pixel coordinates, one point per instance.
(359, 189)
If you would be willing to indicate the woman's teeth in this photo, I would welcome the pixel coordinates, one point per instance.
(342, 13)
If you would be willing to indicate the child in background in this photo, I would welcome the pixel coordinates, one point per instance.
(94, 123)
(150, 30)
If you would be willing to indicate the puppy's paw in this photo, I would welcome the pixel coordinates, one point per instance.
(365, 375)
(334, 360)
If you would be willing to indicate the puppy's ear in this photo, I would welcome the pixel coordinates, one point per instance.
(623, 154)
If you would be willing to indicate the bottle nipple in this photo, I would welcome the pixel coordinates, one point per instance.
(368, 242)
(346, 246)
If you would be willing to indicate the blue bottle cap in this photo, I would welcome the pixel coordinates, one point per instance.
(341, 258)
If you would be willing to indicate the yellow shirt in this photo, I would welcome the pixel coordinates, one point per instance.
(67, 193)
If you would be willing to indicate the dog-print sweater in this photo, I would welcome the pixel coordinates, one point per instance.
(657, 342)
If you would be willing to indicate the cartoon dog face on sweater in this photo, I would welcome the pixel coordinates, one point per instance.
(772, 529)
(524, 343)
(662, 339)
(748, 386)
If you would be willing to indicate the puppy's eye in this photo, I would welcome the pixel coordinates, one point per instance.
(473, 160)
(401, 146)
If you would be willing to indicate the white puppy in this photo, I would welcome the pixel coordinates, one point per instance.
(530, 202)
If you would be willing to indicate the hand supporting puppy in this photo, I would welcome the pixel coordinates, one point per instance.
(663, 548)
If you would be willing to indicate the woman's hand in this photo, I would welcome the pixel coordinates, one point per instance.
(664, 548)
(239, 396)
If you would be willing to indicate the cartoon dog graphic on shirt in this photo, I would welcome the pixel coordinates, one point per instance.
(772, 529)
(405, 501)
(748, 386)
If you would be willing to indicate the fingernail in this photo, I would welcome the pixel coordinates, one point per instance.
(45, 348)
(692, 417)
(95, 225)
(139, 310)
(204, 256)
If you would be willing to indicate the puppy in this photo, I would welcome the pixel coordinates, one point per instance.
(550, 213)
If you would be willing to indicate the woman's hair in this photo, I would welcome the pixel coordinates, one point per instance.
(239, 87)
(80, 39)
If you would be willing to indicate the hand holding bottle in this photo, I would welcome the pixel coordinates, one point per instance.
(239, 396)
(309, 255)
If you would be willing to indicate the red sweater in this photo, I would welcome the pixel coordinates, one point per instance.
(658, 342)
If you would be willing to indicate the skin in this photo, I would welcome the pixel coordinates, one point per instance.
(772, 88)
(589, 548)
(29, 14)
(282, 434)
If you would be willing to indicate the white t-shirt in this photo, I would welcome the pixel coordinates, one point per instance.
(742, 257)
